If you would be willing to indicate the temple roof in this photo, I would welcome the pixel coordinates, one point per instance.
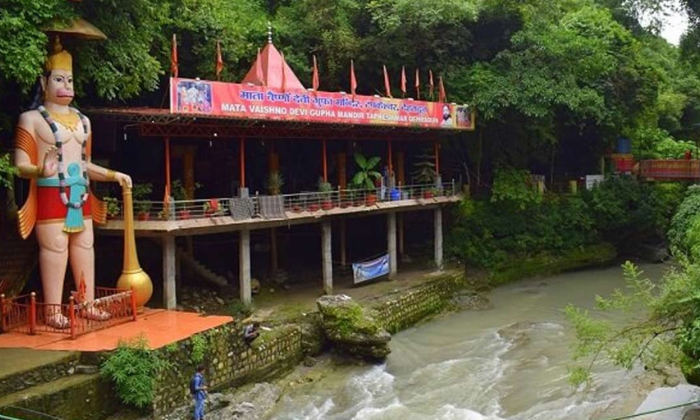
(269, 72)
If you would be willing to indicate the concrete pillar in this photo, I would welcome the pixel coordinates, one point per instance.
(273, 253)
(399, 221)
(244, 267)
(178, 269)
(169, 272)
(391, 239)
(327, 257)
(343, 250)
(438, 238)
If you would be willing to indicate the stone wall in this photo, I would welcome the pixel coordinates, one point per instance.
(77, 397)
(410, 307)
(229, 361)
(39, 375)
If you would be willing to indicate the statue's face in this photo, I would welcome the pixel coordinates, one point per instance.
(58, 87)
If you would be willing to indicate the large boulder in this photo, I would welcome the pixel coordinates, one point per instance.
(353, 329)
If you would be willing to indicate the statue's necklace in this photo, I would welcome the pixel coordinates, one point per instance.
(61, 170)
(69, 120)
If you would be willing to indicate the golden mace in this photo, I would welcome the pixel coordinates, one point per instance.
(133, 276)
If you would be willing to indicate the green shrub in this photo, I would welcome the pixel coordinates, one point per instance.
(684, 228)
(488, 232)
(511, 185)
(133, 368)
(7, 171)
(200, 345)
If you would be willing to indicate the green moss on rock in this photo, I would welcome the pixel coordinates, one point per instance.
(353, 329)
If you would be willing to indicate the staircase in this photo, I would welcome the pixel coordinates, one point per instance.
(200, 269)
(36, 383)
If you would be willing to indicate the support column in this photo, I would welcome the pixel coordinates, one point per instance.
(343, 251)
(325, 161)
(391, 239)
(400, 172)
(438, 238)
(436, 147)
(244, 267)
(390, 164)
(169, 273)
(342, 171)
(241, 153)
(168, 192)
(400, 228)
(188, 169)
(188, 164)
(273, 253)
(327, 257)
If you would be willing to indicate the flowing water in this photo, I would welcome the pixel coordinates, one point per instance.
(509, 362)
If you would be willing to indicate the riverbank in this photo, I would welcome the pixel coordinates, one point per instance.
(407, 305)
(293, 335)
(283, 346)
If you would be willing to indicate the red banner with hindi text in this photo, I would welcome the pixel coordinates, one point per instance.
(202, 97)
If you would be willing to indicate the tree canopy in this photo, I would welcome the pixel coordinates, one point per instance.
(552, 81)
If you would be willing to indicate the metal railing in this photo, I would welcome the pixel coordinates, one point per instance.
(311, 201)
(28, 315)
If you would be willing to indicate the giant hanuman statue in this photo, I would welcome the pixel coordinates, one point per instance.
(53, 143)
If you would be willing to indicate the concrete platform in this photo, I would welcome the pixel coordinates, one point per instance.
(211, 225)
(159, 327)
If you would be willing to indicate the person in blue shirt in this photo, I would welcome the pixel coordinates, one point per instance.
(199, 392)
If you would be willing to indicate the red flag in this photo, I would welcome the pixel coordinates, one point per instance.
(432, 86)
(315, 78)
(443, 96)
(173, 58)
(403, 80)
(219, 60)
(284, 81)
(387, 86)
(417, 84)
(353, 80)
(259, 70)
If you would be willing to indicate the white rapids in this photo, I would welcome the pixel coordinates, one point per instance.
(507, 363)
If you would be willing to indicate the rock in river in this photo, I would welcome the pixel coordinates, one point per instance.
(353, 329)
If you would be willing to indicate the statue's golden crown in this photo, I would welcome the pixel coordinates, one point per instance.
(60, 59)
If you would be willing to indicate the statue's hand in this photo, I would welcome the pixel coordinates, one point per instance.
(123, 179)
(50, 163)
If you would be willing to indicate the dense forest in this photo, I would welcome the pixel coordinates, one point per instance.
(555, 83)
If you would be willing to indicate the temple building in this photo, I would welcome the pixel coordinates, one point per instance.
(249, 162)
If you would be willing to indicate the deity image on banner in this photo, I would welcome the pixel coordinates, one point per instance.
(53, 148)
(464, 116)
(194, 96)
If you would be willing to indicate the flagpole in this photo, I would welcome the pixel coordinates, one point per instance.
(403, 81)
(219, 61)
(173, 58)
(315, 78)
(417, 84)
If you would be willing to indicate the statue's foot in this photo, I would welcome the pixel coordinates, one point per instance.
(95, 314)
(58, 321)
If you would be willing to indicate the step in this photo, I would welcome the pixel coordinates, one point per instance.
(76, 397)
(24, 368)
